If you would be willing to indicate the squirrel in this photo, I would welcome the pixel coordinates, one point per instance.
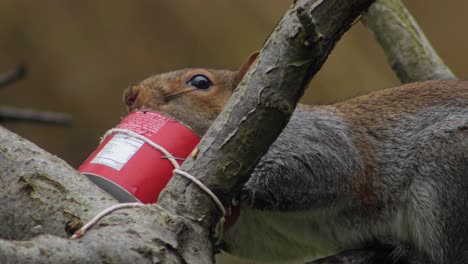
(389, 168)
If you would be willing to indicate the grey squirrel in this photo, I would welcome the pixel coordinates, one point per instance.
(389, 168)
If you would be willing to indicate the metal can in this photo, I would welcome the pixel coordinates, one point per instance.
(128, 167)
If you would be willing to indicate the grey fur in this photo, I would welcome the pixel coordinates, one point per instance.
(302, 187)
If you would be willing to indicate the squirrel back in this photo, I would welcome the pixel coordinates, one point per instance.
(387, 166)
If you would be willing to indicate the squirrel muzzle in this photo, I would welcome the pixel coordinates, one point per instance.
(130, 96)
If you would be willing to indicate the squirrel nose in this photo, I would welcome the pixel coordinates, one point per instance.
(130, 96)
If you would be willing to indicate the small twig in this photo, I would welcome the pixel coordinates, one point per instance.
(13, 75)
(10, 114)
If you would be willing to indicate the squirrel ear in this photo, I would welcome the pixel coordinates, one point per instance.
(245, 67)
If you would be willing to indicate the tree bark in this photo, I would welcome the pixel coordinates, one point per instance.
(47, 196)
(408, 50)
(261, 106)
(41, 193)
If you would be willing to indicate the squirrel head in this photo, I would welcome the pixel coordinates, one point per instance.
(194, 97)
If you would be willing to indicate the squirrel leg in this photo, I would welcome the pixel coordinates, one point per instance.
(437, 202)
(308, 167)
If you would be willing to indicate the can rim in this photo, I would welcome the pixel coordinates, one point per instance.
(112, 188)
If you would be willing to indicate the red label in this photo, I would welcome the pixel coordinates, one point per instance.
(146, 123)
(131, 170)
(132, 164)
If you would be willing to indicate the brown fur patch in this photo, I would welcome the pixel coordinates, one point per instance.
(370, 116)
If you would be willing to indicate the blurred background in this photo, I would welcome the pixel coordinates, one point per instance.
(81, 55)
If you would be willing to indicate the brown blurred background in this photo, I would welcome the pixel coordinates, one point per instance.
(82, 54)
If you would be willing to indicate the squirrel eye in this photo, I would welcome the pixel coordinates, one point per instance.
(200, 81)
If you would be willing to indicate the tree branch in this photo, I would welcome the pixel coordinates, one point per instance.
(11, 114)
(53, 197)
(154, 233)
(261, 106)
(408, 50)
(41, 195)
(13, 75)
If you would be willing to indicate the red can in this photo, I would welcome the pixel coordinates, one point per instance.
(128, 165)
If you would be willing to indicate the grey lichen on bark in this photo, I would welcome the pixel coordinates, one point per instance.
(40, 191)
(41, 196)
(409, 52)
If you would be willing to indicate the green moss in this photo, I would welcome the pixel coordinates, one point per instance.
(73, 225)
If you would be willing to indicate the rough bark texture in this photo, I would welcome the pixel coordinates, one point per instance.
(40, 193)
(408, 50)
(265, 100)
(45, 195)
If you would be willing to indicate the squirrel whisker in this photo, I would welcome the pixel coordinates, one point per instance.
(171, 96)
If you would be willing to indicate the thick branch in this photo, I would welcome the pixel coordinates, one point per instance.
(128, 236)
(261, 105)
(41, 194)
(408, 50)
(265, 100)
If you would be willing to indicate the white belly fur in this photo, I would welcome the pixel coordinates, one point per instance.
(274, 236)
